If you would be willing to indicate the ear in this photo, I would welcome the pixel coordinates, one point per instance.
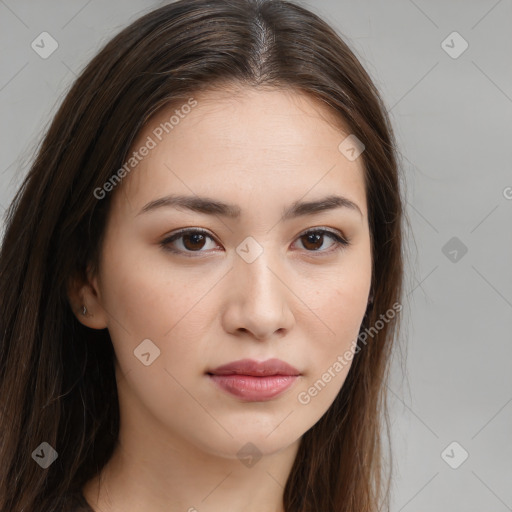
(86, 293)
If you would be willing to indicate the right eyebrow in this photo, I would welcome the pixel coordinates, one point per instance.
(211, 206)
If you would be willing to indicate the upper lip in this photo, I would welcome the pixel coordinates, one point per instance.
(255, 368)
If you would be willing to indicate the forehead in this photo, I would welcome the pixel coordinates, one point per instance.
(243, 140)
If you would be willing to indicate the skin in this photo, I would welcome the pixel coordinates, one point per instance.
(299, 301)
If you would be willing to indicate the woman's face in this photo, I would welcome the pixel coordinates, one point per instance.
(253, 284)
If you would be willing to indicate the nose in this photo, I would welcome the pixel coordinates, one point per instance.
(259, 300)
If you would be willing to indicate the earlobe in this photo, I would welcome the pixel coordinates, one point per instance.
(95, 318)
(85, 303)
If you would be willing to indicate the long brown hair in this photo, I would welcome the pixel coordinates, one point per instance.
(57, 381)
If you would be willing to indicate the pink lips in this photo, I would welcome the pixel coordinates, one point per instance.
(254, 381)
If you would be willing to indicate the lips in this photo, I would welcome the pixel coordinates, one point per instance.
(255, 368)
(252, 381)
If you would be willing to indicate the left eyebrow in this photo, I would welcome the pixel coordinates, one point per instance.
(210, 206)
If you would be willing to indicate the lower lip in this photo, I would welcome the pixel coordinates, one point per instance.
(254, 389)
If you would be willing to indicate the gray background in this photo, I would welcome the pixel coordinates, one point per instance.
(452, 118)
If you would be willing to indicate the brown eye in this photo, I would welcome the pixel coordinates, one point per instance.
(192, 240)
(189, 241)
(313, 241)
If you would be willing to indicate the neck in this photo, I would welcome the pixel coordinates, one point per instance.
(143, 475)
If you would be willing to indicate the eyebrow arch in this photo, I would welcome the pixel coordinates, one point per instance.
(210, 206)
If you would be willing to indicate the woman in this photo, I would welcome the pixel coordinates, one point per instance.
(201, 275)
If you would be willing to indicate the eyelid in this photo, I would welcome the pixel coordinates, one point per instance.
(341, 241)
(325, 229)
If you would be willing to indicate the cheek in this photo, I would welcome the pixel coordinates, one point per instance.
(341, 312)
(145, 300)
(341, 298)
(339, 302)
(144, 293)
(330, 356)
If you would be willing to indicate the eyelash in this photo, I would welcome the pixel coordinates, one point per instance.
(340, 241)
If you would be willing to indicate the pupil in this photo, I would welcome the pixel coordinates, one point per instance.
(313, 238)
(194, 237)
